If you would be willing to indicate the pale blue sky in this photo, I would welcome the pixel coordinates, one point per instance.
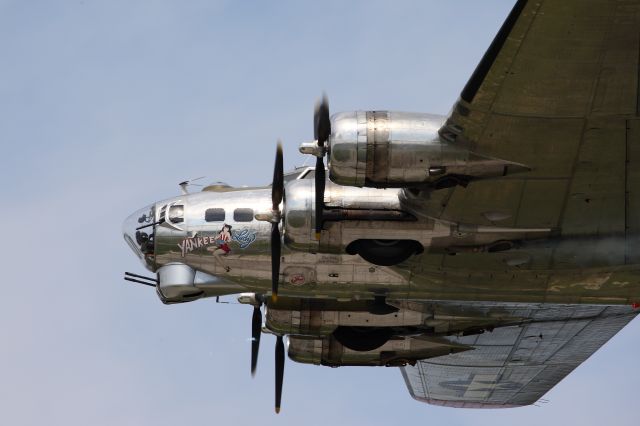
(106, 106)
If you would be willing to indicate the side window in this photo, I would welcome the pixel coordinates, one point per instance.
(214, 215)
(176, 214)
(243, 215)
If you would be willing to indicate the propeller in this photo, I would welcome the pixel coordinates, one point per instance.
(279, 370)
(277, 193)
(321, 132)
(256, 331)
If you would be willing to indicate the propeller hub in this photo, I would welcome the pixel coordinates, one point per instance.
(312, 148)
(276, 216)
(277, 196)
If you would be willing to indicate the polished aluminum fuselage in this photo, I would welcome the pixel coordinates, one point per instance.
(321, 269)
(304, 271)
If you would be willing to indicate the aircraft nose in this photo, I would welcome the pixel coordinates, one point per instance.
(138, 230)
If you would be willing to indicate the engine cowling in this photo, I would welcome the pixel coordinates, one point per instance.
(323, 317)
(390, 149)
(353, 215)
(396, 352)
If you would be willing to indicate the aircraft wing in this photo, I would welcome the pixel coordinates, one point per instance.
(516, 365)
(556, 91)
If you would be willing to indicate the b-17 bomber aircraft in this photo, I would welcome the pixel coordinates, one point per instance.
(486, 254)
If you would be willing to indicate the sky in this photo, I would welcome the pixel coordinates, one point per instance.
(106, 106)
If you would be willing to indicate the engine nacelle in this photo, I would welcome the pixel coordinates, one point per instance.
(353, 215)
(396, 352)
(324, 317)
(349, 321)
(389, 149)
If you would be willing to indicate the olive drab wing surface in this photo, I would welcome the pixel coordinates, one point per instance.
(557, 91)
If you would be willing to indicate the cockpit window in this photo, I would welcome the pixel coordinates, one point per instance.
(176, 214)
(214, 215)
(243, 215)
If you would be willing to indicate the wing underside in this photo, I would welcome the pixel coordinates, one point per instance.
(516, 365)
(557, 91)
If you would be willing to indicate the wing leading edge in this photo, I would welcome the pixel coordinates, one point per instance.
(516, 365)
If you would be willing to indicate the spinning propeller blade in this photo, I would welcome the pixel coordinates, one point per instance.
(320, 182)
(321, 131)
(277, 193)
(275, 260)
(256, 330)
(321, 121)
(279, 371)
(277, 188)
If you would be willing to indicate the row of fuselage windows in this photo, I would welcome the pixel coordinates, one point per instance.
(219, 215)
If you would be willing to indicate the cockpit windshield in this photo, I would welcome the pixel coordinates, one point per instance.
(138, 230)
